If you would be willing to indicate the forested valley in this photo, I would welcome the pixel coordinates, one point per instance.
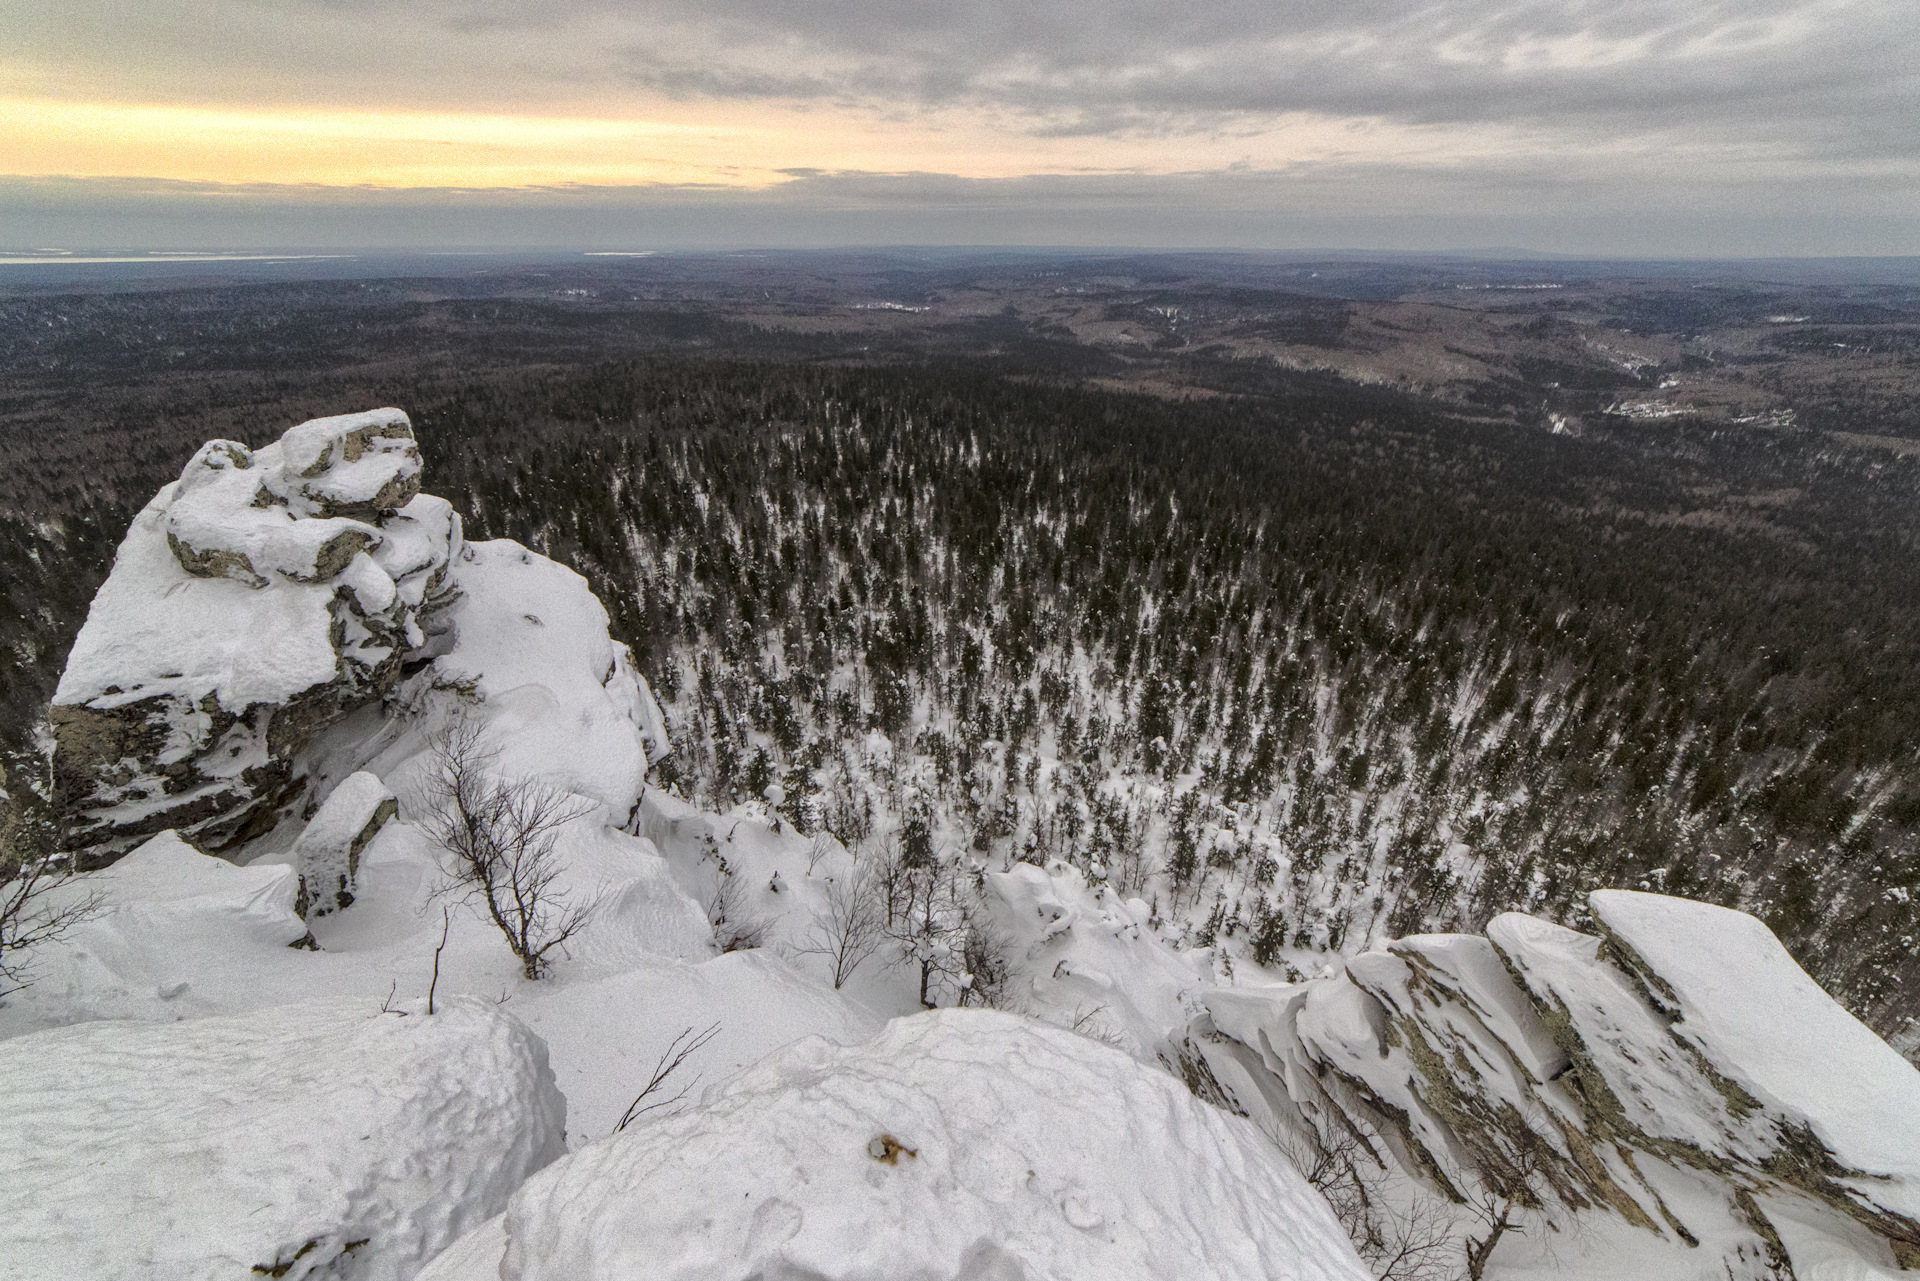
(1302, 663)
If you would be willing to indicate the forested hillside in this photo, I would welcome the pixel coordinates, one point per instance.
(1301, 663)
(1308, 670)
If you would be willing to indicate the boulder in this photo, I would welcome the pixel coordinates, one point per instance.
(317, 1140)
(254, 601)
(327, 854)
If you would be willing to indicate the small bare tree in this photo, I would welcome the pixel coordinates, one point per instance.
(926, 915)
(1510, 1185)
(500, 834)
(849, 925)
(1414, 1239)
(32, 910)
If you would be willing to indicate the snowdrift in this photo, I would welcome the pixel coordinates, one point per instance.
(957, 1144)
(296, 1142)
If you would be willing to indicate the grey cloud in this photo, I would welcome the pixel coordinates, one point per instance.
(1584, 207)
(1795, 74)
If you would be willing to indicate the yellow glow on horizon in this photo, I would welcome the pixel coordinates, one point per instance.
(380, 148)
(735, 145)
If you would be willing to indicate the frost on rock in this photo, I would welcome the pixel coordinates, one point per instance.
(255, 600)
(1615, 1076)
(956, 1144)
(317, 1141)
(327, 854)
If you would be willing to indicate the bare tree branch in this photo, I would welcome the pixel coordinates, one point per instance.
(501, 834)
(677, 1053)
(32, 914)
(849, 926)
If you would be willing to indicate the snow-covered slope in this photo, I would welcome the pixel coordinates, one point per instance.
(325, 1139)
(956, 1145)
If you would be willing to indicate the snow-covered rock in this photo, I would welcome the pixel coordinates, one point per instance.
(327, 853)
(1841, 1108)
(560, 697)
(1677, 1077)
(255, 600)
(956, 1144)
(317, 1141)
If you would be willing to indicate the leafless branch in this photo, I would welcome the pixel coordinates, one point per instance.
(32, 914)
(501, 834)
(849, 926)
(677, 1053)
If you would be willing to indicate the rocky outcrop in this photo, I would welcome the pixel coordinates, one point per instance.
(1553, 1068)
(254, 601)
(327, 854)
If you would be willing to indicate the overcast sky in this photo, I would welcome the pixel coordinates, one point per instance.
(1764, 127)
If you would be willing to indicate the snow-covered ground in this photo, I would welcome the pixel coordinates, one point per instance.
(958, 1144)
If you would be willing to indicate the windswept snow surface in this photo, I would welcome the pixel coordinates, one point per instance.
(1757, 1018)
(957, 1144)
(320, 1140)
(561, 693)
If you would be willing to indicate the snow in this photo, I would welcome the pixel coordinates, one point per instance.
(155, 629)
(1657, 1084)
(956, 1144)
(1080, 955)
(226, 1147)
(1739, 998)
(561, 696)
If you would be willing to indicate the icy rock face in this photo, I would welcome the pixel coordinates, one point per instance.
(309, 1141)
(956, 1144)
(328, 851)
(1545, 1063)
(254, 601)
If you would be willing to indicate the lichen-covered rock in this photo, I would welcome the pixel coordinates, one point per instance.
(328, 851)
(254, 601)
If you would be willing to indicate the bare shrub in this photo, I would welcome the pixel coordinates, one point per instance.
(1415, 1241)
(989, 968)
(849, 925)
(736, 928)
(31, 912)
(500, 834)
